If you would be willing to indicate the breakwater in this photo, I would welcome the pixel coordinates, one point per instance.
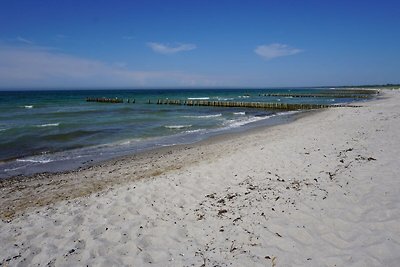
(261, 105)
(319, 95)
(109, 100)
(104, 100)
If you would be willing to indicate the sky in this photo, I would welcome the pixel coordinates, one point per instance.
(196, 44)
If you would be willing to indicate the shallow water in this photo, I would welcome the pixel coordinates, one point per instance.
(59, 130)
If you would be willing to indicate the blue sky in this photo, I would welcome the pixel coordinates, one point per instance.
(146, 44)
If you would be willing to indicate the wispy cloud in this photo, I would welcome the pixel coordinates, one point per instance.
(24, 40)
(36, 66)
(169, 49)
(276, 50)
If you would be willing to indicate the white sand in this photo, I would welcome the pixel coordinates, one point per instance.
(321, 191)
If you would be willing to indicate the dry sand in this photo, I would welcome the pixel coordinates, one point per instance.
(323, 190)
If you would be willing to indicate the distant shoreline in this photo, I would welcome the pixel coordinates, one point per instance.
(372, 86)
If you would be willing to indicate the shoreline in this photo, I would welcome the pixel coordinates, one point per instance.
(58, 167)
(64, 181)
(321, 190)
(65, 144)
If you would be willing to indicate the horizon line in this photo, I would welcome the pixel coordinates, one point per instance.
(191, 88)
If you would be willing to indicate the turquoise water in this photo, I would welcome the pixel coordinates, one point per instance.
(59, 130)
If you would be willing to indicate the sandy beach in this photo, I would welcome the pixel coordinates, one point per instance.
(320, 191)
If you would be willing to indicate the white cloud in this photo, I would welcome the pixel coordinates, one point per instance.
(168, 49)
(276, 50)
(35, 67)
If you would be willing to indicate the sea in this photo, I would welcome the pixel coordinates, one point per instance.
(58, 130)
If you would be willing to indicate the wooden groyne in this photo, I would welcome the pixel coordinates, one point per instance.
(319, 95)
(105, 100)
(354, 91)
(109, 100)
(260, 105)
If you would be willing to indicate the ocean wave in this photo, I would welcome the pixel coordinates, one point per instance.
(125, 143)
(13, 169)
(48, 125)
(35, 160)
(195, 131)
(204, 116)
(28, 106)
(238, 123)
(128, 142)
(177, 126)
(239, 113)
(198, 98)
(244, 96)
(224, 99)
(287, 112)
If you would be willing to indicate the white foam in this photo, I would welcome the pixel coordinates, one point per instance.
(125, 143)
(164, 145)
(28, 106)
(49, 125)
(13, 169)
(177, 126)
(286, 112)
(204, 116)
(224, 99)
(235, 123)
(195, 131)
(35, 160)
(198, 98)
(239, 113)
